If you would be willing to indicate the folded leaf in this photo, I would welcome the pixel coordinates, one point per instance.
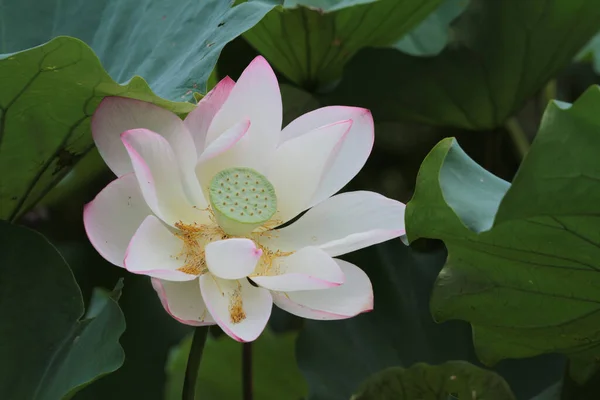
(524, 259)
(48, 348)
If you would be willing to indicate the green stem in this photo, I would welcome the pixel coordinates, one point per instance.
(193, 364)
(247, 392)
(550, 91)
(571, 390)
(518, 136)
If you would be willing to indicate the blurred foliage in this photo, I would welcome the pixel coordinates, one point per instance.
(432, 35)
(591, 53)
(311, 45)
(503, 52)
(400, 331)
(275, 374)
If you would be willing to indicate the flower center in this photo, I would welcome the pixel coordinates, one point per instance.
(242, 200)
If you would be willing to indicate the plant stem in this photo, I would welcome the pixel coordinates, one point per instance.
(518, 136)
(193, 364)
(247, 371)
(571, 390)
(550, 91)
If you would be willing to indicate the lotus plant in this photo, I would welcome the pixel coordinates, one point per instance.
(202, 205)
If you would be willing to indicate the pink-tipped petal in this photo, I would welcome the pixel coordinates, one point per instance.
(155, 251)
(240, 309)
(198, 121)
(353, 153)
(232, 258)
(299, 165)
(353, 297)
(225, 142)
(343, 223)
(183, 301)
(159, 178)
(224, 152)
(254, 97)
(116, 115)
(112, 218)
(307, 269)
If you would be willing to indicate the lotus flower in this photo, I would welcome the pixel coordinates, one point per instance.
(198, 203)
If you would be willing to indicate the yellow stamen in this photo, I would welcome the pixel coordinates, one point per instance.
(236, 306)
(195, 237)
(267, 265)
(193, 251)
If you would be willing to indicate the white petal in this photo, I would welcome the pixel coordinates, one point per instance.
(224, 152)
(307, 269)
(232, 258)
(225, 142)
(116, 115)
(155, 251)
(183, 301)
(254, 97)
(240, 309)
(112, 218)
(159, 178)
(342, 223)
(353, 297)
(299, 164)
(353, 153)
(200, 118)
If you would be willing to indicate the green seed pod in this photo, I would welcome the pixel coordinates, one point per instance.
(242, 200)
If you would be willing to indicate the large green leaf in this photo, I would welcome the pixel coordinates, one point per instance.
(311, 45)
(336, 356)
(502, 53)
(435, 382)
(524, 259)
(173, 44)
(48, 96)
(275, 375)
(47, 350)
(49, 92)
